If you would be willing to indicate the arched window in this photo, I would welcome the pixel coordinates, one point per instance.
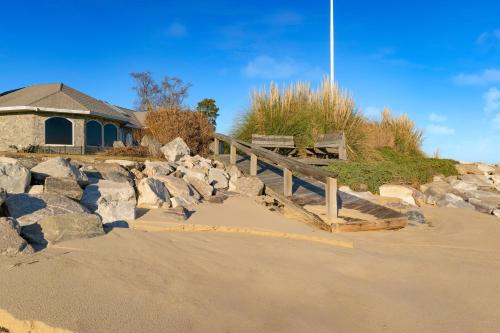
(58, 131)
(93, 133)
(110, 135)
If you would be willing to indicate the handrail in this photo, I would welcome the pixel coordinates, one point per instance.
(291, 164)
(288, 165)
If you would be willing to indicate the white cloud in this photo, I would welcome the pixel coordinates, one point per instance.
(437, 118)
(487, 76)
(266, 67)
(177, 30)
(492, 100)
(440, 130)
(372, 112)
(488, 36)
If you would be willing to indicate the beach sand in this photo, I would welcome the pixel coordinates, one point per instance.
(444, 278)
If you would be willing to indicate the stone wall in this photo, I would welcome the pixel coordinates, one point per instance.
(23, 129)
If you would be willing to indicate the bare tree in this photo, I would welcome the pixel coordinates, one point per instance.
(171, 93)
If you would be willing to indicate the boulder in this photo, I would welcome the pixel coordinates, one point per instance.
(64, 186)
(218, 165)
(218, 178)
(11, 243)
(31, 208)
(468, 169)
(435, 191)
(178, 187)
(36, 189)
(250, 186)
(496, 212)
(480, 181)
(154, 147)
(113, 201)
(177, 214)
(123, 163)
(112, 172)
(486, 169)
(60, 168)
(138, 174)
(14, 178)
(404, 193)
(175, 149)
(60, 228)
(152, 193)
(158, 168)
(194, 172)
(187, 202)
(484, 206)
(8, 160)
(118, 144)
(462, 186)
(3, 196)
(201, 186)
(415, 217)
(453, 201)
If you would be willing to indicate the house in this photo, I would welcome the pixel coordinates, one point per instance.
(57, 116)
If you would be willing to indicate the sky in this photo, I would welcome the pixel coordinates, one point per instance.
(437, 61)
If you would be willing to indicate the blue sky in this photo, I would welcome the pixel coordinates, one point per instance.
(437, 61)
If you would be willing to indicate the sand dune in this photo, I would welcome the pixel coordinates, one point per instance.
(439, 279)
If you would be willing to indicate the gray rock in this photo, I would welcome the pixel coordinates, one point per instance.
(201, 186)
(249, 186)
(486, 169)
(462, 186)
(415, 217)
(175, 149)
(402, 192)
(60, 168)
(178, 187)
(36, 189)
(123, 163)
(484, 206)
(218, 178)
(14, 178)
(8, 160)
(118, 144)
(468, 169)
(111, 200)
(3, 196)
(11, 243)
(496, 212)
(451, 200)
(177, 214)
(158, 168)
(64, 186)
(60, 228)
(112, 172)
(218, 198)
(194, 172)
(152, 193)
(478, 180)
(31, 208)
(435, 191)
(154, 147)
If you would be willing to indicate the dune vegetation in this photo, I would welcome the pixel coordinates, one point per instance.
(379, 151)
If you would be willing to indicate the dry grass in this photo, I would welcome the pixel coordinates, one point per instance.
(305, 113)
(192, 126)
(133, 151)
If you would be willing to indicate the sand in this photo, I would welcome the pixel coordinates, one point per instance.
(439, 279)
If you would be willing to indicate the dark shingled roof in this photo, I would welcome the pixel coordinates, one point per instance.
(61, 96)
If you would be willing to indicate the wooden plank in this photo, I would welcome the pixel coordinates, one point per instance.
(232, 157)
(353, 226)
(331, 199)
(273, 141)
(253, 165)
(287, 183)
(216, 147)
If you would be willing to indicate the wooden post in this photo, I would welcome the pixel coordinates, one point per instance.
(331, 198)
(232, 155)
(253, 165)
(287, 182)
(216, 147)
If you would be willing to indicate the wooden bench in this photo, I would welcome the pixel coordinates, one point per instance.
(330, 145)
(277, 143)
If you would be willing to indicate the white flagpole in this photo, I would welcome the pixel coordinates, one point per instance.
(332, 49)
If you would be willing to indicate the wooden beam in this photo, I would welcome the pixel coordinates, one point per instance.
(232, 154)
(287, 182)
(216, 147)
(353, 226)
(253, 165)
(332, 211)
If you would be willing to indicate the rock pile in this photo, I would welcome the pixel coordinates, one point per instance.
(57, 199)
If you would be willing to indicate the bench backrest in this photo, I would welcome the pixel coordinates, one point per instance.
(273, 141)
(336, 139)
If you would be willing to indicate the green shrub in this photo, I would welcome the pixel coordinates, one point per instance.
(392, 168)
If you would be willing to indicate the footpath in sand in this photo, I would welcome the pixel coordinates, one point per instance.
(251, 275)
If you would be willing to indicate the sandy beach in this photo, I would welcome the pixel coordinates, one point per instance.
(442, 278)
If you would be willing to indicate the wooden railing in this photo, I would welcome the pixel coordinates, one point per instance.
(288, 165)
